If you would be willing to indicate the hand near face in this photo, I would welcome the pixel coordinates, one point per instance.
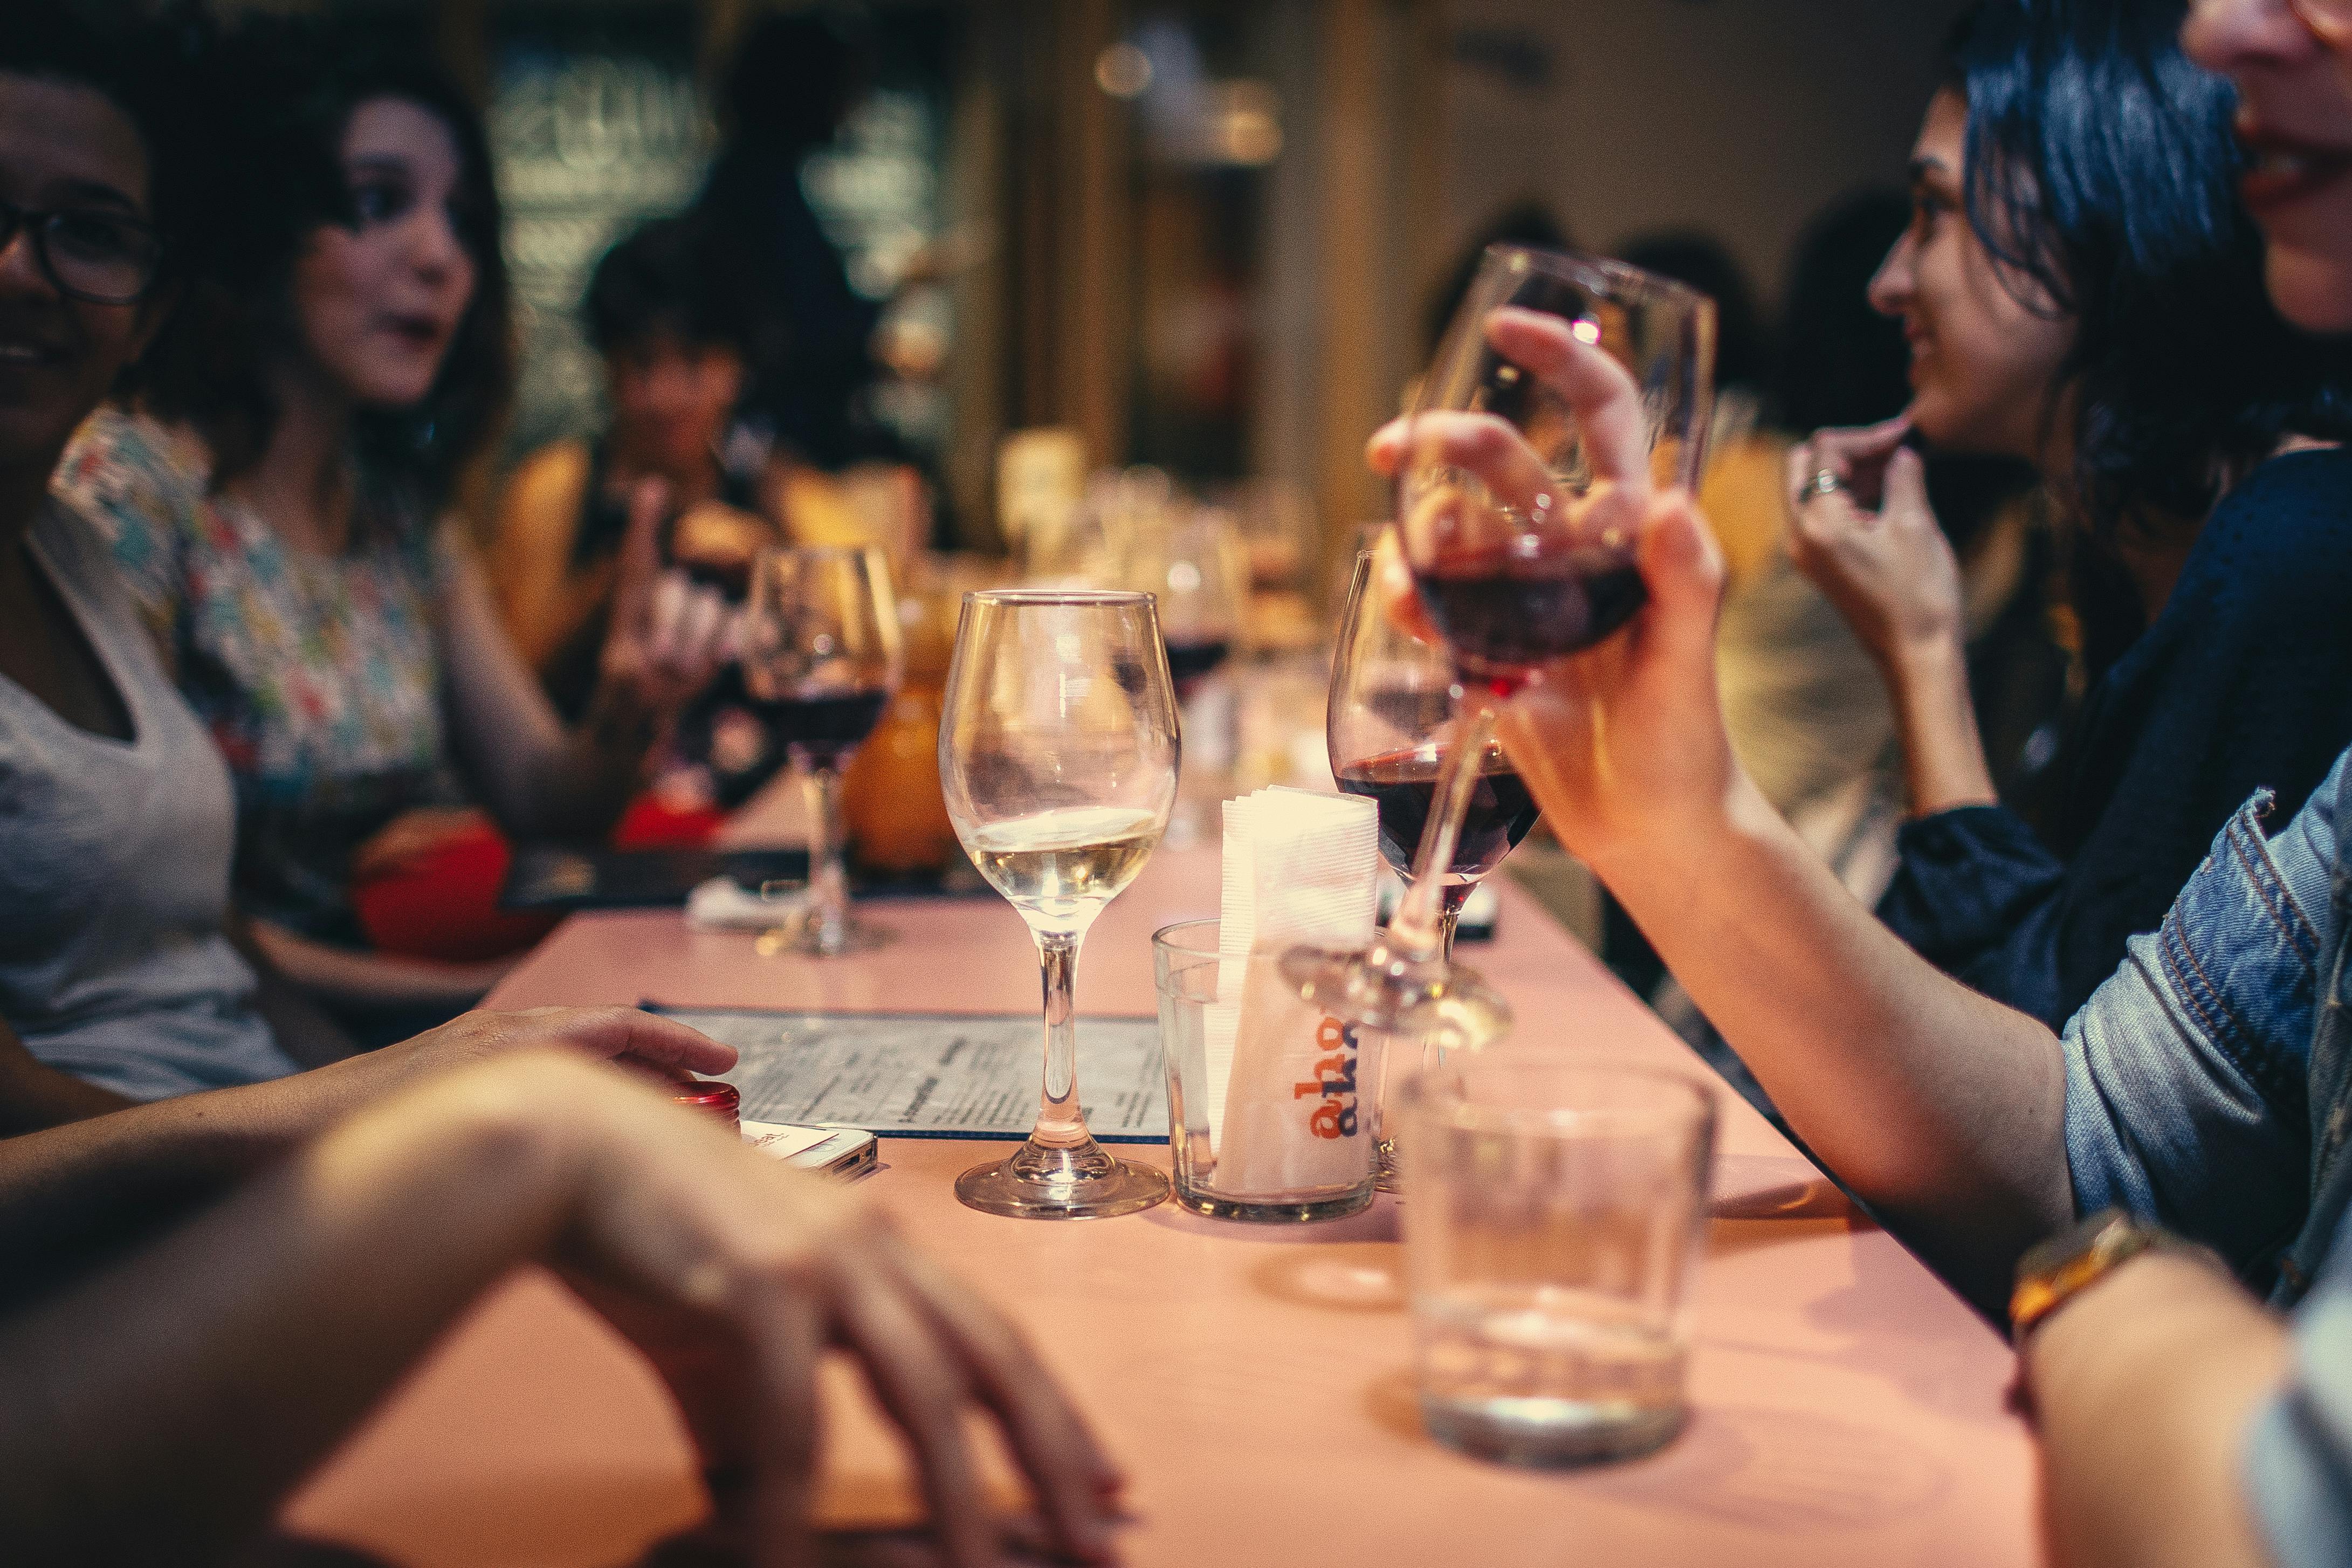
(1873, 545)
(669, 634)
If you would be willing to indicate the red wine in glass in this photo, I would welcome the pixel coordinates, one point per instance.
(1404, 785)
(1500, 624)
(1191, 662)
(825, 727)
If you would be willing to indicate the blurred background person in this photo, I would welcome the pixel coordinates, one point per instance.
(275, 497)
(796, 77)
(673, 366)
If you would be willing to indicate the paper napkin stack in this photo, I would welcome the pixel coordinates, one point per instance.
(1285, 1099)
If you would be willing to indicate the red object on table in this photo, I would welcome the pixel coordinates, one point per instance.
(444, 903)
(1255, 1381)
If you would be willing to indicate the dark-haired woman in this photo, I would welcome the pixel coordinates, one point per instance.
(674, 368)
(276, 499)
(2092, 303)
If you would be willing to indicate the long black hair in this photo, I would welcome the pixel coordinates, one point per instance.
(280, 94)
(2102, 176)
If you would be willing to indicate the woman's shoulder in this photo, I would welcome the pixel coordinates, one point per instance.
(130, 474)
(2310, 488)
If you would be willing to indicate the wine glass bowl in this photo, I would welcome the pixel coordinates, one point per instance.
(1058, 757)
(821, 657)
(1566, 391)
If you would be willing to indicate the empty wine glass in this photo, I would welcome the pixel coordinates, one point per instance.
(820, 657)
(1058, 755)
(1565, 391)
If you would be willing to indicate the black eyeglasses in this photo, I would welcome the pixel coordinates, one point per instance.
(96, 257)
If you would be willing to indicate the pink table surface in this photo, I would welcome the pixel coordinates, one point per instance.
(1255, 1381)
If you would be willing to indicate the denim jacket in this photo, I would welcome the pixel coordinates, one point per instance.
(2208, 1086)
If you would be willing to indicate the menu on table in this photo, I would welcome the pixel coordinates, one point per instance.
(934, 1075)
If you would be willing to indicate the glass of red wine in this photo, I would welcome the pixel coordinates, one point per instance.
(1391, 724)
(821, 658)
(1565, 392)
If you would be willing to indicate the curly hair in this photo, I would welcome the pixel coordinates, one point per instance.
(280, 94)
(2101, 178)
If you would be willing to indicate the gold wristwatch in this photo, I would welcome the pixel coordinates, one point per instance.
(2058, 1269)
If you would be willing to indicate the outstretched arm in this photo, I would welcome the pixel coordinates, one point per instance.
(287, 1312)
(70, 1192)
(1942, 1108)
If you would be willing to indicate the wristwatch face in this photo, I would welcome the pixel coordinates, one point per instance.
(2084, 1252)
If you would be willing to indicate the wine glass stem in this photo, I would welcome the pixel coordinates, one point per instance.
(1450, 912)
(1423, 927)
(828, 879)
(1061, 1122)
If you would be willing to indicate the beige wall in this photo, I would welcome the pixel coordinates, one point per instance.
(1744, 116)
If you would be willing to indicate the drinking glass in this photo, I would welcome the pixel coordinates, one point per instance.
(1565, 391)
(1556, 1220)
(820, 657)
(1196, 569)
(1058, 754)
(1392, 722)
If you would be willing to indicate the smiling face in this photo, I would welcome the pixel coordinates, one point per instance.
(2295, 115)
(63, 148)
(379, 304)
(1984, 367)
(670, 399)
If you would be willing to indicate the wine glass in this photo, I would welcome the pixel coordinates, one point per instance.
(1391, 723)
(820, 657)
(1565, 391)
(1196, 569)
(1058, 755)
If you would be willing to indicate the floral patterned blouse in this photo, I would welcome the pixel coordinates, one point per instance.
(319, 677)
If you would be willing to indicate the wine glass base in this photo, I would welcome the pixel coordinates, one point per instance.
(803, 932)
(1379, 988)
(1083, 1183)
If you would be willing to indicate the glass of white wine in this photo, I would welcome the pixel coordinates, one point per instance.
(1058, 754)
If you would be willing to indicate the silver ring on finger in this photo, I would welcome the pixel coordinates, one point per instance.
(1825, 482)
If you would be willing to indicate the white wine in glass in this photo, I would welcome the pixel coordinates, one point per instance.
(1058, 755)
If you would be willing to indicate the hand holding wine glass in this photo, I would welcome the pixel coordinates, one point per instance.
(1566, 393)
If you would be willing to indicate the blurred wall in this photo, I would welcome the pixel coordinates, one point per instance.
(1742, 116)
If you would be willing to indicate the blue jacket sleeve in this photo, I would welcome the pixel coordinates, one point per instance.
(1978, 896)
(2186, 1072)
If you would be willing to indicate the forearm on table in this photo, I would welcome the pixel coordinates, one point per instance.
(352, 978)
(283, 1315)
(34, 1095)
(1943, 753)
(101, 1179)
(1938, 1106)
(2145, 1388)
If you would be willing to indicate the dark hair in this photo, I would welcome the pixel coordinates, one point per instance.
(280, 95)
(1526, 222)
(1698, 258)
(661, 279)
(797, 75)
(135, 68)
(2101, 179)
(1841, 362)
